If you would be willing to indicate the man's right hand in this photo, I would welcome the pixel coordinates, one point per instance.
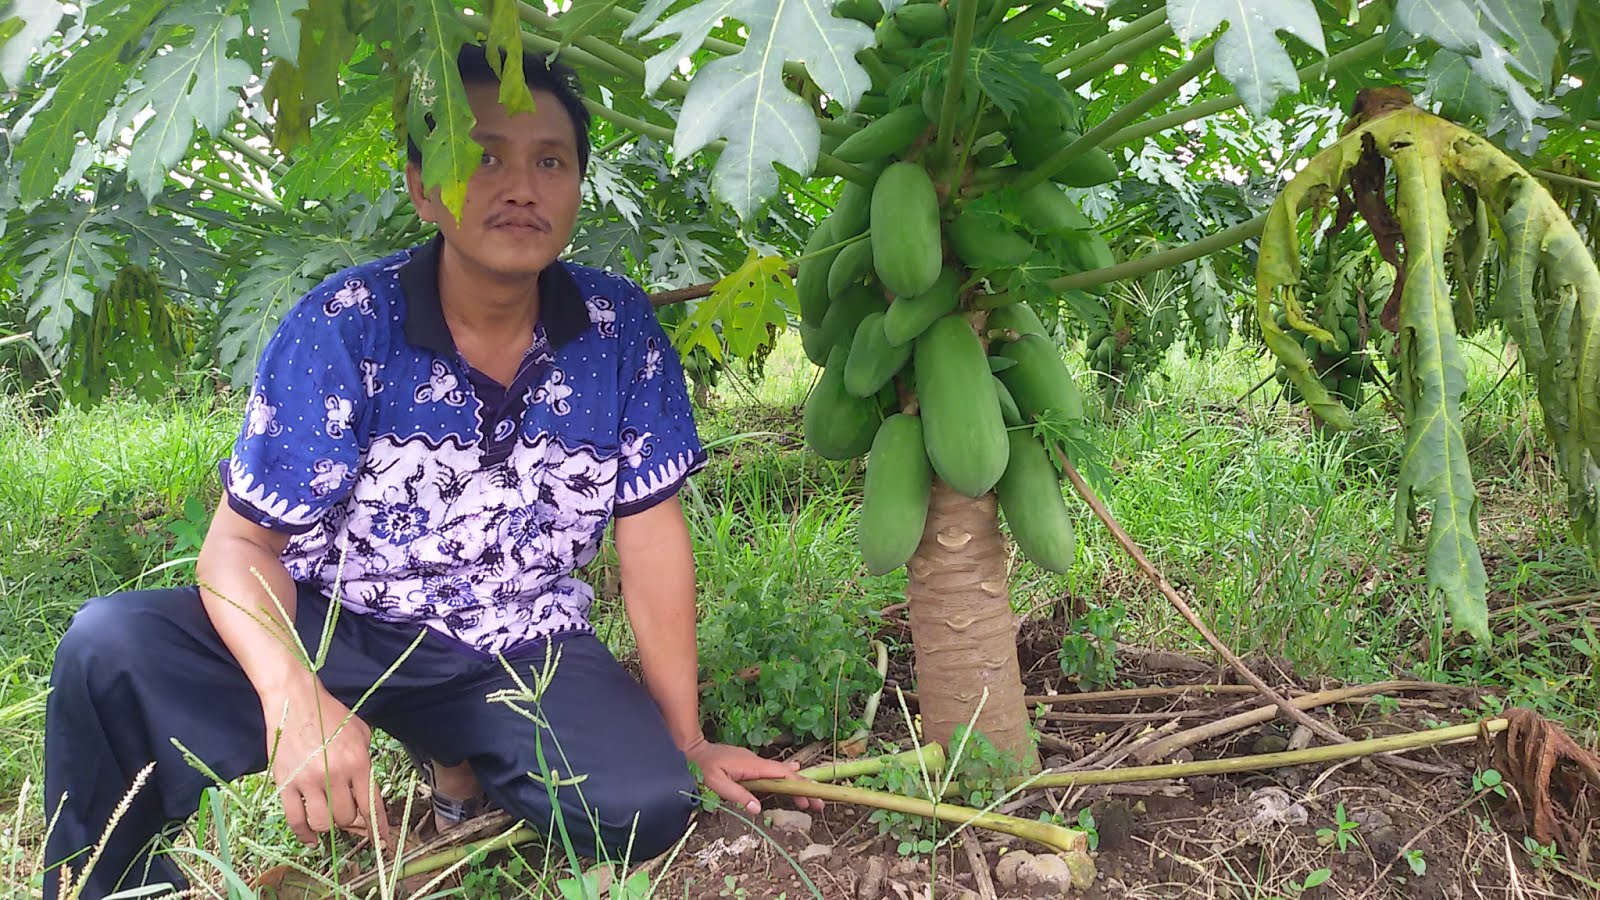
(322, 764)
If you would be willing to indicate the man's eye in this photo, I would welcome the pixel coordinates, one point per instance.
(489, 158)
(551, 162)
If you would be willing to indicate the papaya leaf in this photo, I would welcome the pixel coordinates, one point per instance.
(744, 303)
(679, 258)
(351, 150)
(505, 37)
(191, 83)
(613, 244)
(1433, 379)
(67, 263)
(1460, 93)
(1553, 314)
(282, 273)
(280, 20)
(743, 97)
(449, 154)
(162, 243)
(1494, 36)
(85, 87)
(584, 17)
(1249, 53)
(35, 21)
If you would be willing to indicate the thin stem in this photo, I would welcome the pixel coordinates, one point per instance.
(245, 178)
(1066, 840)
(541, 44)
(1123, 55)
(1019, 23)
(1187, 612)
(224, 188)
(960, 44)
(1144, 265)
(1256, 762)
(1097, 47)
(1559, 178)
(233, 225)
(1190, 113)
(1158, 92)
(616, 57)
(252, 153)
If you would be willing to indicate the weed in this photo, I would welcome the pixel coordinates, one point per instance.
(1414, 859)
(1089, 646)
(1488, 781)
(776, 667)
(1542, 856)
(1314, 879)
(1343, 832)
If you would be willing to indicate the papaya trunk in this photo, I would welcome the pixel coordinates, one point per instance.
(963, 626)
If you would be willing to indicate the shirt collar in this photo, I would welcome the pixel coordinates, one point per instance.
(561, 308)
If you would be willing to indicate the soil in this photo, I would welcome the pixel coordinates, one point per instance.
(1251, 835)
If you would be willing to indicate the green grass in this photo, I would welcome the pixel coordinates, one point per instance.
(1283, 537)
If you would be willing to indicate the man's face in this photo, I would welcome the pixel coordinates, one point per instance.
(522, 202)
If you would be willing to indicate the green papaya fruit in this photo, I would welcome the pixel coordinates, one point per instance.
(887, 136)
(906, 248)
(1040, 380)
(836, 424)
(910, 316)
(1030, 496)
(963, 428)
(894, 498)
(873, 360)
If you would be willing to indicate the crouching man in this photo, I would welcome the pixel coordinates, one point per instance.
(434, 443)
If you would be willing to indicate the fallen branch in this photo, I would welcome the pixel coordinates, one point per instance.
(1183, 608)
(1327, 753)
(1164, 748)
(1064, 840)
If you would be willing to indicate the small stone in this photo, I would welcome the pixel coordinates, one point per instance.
(969, 894)
(905, 865)
(871, 887)
(1082, 869)
(1048, 870)
(1270, 743)
(1057, 761)
(1372, 818)
(789, 820)
(814, 851)
(1007, 868)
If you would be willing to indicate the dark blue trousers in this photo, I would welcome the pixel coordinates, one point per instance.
(138, 673)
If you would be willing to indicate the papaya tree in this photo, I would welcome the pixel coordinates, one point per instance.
(919, 154)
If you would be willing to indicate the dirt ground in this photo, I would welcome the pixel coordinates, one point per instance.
(1250, 835)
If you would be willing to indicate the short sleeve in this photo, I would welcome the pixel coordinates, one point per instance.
(660, 445)
(297, 454)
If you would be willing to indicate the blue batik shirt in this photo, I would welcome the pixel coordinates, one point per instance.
(417, 489)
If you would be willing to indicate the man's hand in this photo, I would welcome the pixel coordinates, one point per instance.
(725, 766)
(323, 771)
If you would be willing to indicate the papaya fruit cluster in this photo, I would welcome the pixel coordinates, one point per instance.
(1344, 296)
(134, 337)
(918, 371)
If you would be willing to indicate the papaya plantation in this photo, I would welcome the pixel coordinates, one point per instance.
(942, 200)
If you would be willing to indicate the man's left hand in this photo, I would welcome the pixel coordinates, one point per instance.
(724, 766)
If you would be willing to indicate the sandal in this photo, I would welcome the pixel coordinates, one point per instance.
(447, 811)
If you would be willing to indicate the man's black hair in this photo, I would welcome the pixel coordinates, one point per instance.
(540, 74)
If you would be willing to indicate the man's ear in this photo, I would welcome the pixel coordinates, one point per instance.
(419, 198)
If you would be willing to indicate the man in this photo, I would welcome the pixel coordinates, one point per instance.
(436, 441)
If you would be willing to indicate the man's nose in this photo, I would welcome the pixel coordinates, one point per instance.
(522, 185)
